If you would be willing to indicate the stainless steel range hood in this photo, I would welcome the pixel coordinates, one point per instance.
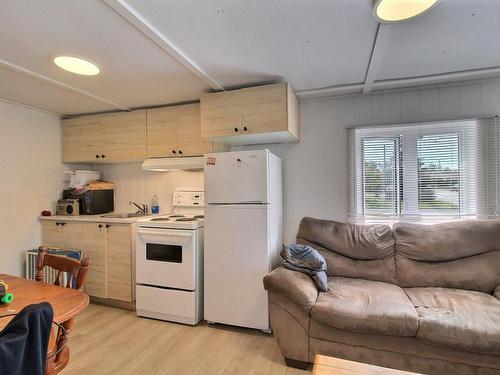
(173, 164)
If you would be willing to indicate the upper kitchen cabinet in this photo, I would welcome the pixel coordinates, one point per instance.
(107, 138)
(176, 131)
(255, 115)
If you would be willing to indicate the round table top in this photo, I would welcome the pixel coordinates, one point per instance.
(66, 302)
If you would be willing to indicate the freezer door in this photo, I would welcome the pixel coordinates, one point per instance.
(237, 177)
(236, 260)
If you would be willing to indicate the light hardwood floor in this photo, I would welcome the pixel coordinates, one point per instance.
(107, 340)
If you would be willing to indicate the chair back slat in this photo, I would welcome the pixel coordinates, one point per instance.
(76, 270)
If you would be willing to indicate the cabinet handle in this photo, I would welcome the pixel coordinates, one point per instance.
(107, 226)
(245, 128)
(236, 130)
(180, 152)
(97, 156)
(63, 223)
(103, 156)
(57, 223)
(99, 226)
(174, 152)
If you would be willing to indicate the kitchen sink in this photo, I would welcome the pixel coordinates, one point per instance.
(124, 215)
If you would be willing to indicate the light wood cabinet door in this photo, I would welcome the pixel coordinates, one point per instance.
(176, 131)
(162, 132)
(123, 137)
(221, 114)
(189, 139)
(119, 262)
(95, 250)
(81, 139)
(51, 234)
(264, 109)
(72, 236)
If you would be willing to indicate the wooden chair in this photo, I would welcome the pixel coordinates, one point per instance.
(77, 275)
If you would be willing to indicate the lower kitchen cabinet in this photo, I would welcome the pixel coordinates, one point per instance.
(95, 249)
(62, 234)
(109, 247)
(118, 261)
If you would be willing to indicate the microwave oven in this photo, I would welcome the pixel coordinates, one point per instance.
(94, 202)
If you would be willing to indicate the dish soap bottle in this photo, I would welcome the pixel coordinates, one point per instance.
(155, 205)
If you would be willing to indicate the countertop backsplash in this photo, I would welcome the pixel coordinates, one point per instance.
(134, 184)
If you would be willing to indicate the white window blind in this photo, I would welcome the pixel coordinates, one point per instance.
(425, 172)
(489, 168)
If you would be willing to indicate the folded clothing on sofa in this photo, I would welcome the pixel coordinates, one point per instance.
(305, 259)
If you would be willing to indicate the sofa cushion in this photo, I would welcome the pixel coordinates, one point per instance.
(449, 255)
(365, 306)
(457, 319)
(350, 250)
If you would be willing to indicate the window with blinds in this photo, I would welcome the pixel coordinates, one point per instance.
(431, 171)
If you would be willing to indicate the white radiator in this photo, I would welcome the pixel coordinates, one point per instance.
(49, 274)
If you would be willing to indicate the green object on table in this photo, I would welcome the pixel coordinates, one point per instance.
(7, 298)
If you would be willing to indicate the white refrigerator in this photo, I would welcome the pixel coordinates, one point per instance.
(243, 235)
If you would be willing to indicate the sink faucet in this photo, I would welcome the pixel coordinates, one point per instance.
(142, 210)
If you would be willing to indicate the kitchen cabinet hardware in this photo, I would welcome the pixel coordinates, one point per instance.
(108, 226)
(99, 226)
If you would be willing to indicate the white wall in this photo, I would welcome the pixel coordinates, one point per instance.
(315, 170)
(134, 184)
(31, 179)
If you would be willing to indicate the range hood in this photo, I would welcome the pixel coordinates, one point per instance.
(173, 164)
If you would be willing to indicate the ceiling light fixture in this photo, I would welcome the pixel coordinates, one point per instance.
(390, 11)
(77, 65)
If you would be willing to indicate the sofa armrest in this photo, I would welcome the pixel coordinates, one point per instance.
(496, 293)
(297, 286)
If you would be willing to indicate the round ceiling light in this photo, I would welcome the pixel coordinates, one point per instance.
(77, 65)
(389, 11)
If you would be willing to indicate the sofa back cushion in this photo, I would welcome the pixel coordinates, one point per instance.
(358, 251)
(461, 255)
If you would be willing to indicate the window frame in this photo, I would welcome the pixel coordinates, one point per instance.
(409, 135)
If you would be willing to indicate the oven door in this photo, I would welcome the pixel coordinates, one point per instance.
(165, 258)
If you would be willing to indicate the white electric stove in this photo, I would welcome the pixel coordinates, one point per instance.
(169, 262)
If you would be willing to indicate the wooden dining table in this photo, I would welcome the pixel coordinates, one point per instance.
(67, 303)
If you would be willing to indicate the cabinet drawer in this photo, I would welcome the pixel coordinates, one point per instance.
(152, 302)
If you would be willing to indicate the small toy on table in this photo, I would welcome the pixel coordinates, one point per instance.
(5, 297)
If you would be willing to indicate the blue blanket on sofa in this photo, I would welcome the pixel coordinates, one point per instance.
(305, 259)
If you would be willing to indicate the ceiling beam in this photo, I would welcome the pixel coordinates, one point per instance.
(33, 108)
(379, 45)
(132, 16)
(53, 82)
(435, 80)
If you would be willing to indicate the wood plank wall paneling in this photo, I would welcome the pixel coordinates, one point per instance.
(134, 184)
(315, 170)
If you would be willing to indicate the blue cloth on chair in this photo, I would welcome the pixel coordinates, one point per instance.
(24, 341)
(305, 259)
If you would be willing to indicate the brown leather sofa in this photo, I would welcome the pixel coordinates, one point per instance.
(417, 298)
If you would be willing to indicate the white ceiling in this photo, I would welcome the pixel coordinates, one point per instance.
(155, 52)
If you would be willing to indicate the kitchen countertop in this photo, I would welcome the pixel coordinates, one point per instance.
(93, 218)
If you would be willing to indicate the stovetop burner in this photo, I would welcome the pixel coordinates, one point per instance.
(176, 215)
(186, 219)
(199, 216)
(160, 219)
